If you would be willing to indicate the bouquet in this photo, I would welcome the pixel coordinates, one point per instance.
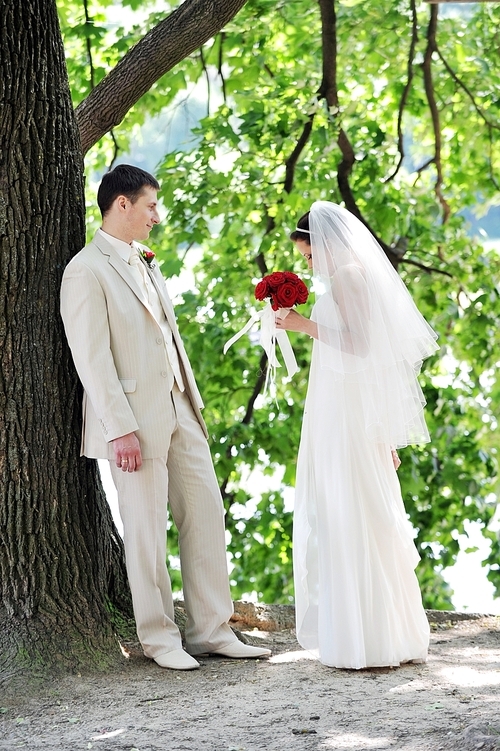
(283, 288)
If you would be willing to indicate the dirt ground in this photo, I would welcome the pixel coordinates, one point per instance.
(452, 703)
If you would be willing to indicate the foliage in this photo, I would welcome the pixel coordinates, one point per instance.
(419, 107)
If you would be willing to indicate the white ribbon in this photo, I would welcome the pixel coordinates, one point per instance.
(269, 335)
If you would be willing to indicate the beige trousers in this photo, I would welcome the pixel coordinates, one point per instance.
(186, 478)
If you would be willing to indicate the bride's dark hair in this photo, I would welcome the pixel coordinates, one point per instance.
(303, 223)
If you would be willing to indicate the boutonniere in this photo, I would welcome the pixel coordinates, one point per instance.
(149, 257)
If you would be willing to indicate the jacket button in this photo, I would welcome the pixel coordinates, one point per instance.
(164, 374)
(159, 340)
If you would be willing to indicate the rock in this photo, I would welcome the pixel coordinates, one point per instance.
(478, 737)
(452, 616)
(248, 615)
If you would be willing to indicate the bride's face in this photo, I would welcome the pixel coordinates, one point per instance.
(305, 250)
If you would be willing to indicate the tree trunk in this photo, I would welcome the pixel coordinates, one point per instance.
(62, 572)
(61, 560)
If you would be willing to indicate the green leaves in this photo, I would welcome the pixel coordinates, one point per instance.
(260, 148)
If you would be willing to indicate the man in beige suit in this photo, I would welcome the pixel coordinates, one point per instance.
(141, 410)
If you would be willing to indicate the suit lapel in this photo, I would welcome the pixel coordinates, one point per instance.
(161, 289)
(126, 273)
(157, 278)
(122, 268)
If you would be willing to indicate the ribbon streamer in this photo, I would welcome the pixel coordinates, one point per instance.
(269, 335)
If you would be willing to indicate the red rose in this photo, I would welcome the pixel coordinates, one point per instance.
(262, 290)
(275, 279)
(302, 292)
(286, 295)
(283, 288)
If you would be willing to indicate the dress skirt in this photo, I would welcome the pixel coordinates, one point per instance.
(357, 598)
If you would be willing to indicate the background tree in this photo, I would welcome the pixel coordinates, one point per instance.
(390, 108)
(398, 119)
(393, 111)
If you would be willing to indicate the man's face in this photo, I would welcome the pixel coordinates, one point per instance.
(142, 215)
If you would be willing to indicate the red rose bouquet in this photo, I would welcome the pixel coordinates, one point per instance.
(283, 288)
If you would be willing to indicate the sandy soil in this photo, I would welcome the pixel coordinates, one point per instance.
(452, 703)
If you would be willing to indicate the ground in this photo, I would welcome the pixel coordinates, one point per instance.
(291, 701)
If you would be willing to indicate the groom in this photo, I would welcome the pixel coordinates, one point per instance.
(141, 410)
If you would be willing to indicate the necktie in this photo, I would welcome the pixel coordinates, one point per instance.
(142, 277)
(140, 273)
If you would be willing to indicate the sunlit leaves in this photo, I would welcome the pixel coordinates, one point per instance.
(258, 128)
(228, 210)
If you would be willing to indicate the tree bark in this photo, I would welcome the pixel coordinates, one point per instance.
(61, 560)
(62, 572)
(182, 32)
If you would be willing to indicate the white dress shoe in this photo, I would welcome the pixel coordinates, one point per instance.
(239, 651)
(177, 660)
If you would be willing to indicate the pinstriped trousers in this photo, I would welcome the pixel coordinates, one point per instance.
(186, 479)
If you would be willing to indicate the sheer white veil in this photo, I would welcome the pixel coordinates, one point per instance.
(370, 331)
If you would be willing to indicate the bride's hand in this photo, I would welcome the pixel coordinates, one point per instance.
(291, 321)
(395, 459)
(296, 322)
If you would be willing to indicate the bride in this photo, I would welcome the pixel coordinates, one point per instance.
(357, 598)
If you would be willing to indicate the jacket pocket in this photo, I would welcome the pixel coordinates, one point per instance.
(128, 384)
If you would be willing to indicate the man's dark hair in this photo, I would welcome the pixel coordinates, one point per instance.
(123, 180)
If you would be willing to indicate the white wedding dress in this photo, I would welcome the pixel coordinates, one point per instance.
(357, 598)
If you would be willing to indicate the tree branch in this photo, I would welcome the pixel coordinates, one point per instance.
(491, 125)
(219, 66)
(462, 85)
(290, 165)
(292, 160)
(116, 149)
(89, 22)
(257, 389)
(406, 91)
(427, 269)
(261, 379)
(207, 77)
(431, 100)
(177, 36)
(422, 168)
(329, 91)
(490, 159)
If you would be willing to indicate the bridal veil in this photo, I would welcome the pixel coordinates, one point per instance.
(370, 331)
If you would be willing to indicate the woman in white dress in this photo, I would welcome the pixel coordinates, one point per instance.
(357, 598)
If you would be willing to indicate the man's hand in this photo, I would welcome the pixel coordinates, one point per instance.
(128, 452)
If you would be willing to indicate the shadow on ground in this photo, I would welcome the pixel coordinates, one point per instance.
(287, 702)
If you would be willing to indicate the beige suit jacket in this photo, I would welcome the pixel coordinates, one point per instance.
(119, 353)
